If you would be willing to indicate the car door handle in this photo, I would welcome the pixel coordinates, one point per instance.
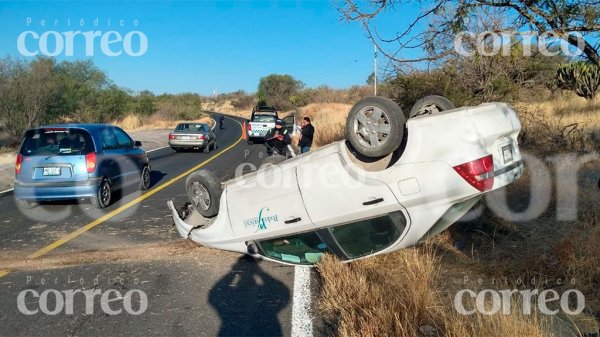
(373, 201)
(292, 220)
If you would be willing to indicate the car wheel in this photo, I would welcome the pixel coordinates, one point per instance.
(103, 196)
(273, 160)
(204, 192)
(375, 126)
(429, 105)
(27, 204)
(145, 178)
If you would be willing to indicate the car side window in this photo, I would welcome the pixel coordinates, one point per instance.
(369, 236)
(304, 248)
(123, 139)
(109, 140)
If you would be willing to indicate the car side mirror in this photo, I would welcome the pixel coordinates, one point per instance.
(137, 143)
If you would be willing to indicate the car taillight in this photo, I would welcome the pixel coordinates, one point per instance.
(171, 136)
(18, 164)
(90, 162)
(201, 137)
(479, 173)
(249, 127)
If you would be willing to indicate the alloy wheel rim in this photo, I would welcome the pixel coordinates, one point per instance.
(200, 195)
(372, 126)
(105, 193)
(146, 177)
(428, 110)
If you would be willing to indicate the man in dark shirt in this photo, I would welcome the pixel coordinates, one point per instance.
(308, 131)
(278, 138)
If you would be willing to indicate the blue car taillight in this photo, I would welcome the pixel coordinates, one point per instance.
(90, 162)
(18, 164)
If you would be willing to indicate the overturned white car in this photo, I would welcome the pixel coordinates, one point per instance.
(391, 184)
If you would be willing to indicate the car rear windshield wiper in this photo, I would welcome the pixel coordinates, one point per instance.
(61, 151)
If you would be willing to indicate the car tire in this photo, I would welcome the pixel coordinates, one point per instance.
(103, 196)
(273, 160)
(204, 190)
(145, 179)
(430, 105)
(375, 126)
(26, 204)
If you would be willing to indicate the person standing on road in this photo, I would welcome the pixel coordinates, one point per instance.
(221, 121)
(278, 138)
(306, 139)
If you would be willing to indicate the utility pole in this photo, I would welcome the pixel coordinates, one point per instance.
(375, 70)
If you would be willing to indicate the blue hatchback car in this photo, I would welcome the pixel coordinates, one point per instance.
(72, 161)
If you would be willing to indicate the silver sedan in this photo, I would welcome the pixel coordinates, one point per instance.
(193, 136)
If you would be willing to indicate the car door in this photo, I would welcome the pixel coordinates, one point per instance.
(290, 124)
(333, 195)
(130, 157)
(111, 163)
(267, 204)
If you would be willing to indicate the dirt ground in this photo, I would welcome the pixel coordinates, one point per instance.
(151, 139)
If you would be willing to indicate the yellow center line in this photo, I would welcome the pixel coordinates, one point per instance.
(81, 230)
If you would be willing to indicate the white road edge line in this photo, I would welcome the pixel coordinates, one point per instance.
(158, 148)
(6, 191)
(301, 321)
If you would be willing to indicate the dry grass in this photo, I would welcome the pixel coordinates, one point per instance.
(401, 294)
(135, 122)
(329, 120)
(566, 123)
(226, 107)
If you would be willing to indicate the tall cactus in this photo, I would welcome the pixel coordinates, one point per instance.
(581, 77)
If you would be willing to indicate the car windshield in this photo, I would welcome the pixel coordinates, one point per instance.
(56, 141)
(264, 118)
(191, 127)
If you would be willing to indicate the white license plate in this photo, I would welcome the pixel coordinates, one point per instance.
(51, 171)
(186, 137)
(507, 154)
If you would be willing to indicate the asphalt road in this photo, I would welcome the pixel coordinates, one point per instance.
(131, 247)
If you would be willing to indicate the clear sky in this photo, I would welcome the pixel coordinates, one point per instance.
(203, 45)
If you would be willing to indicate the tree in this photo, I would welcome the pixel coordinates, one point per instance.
(280, 91)
(144, 104)
(575, 21)
(371, 79)
(27, 90)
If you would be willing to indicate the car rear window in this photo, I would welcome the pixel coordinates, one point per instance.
(264, 118)
(56, 141)
(192, 128)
